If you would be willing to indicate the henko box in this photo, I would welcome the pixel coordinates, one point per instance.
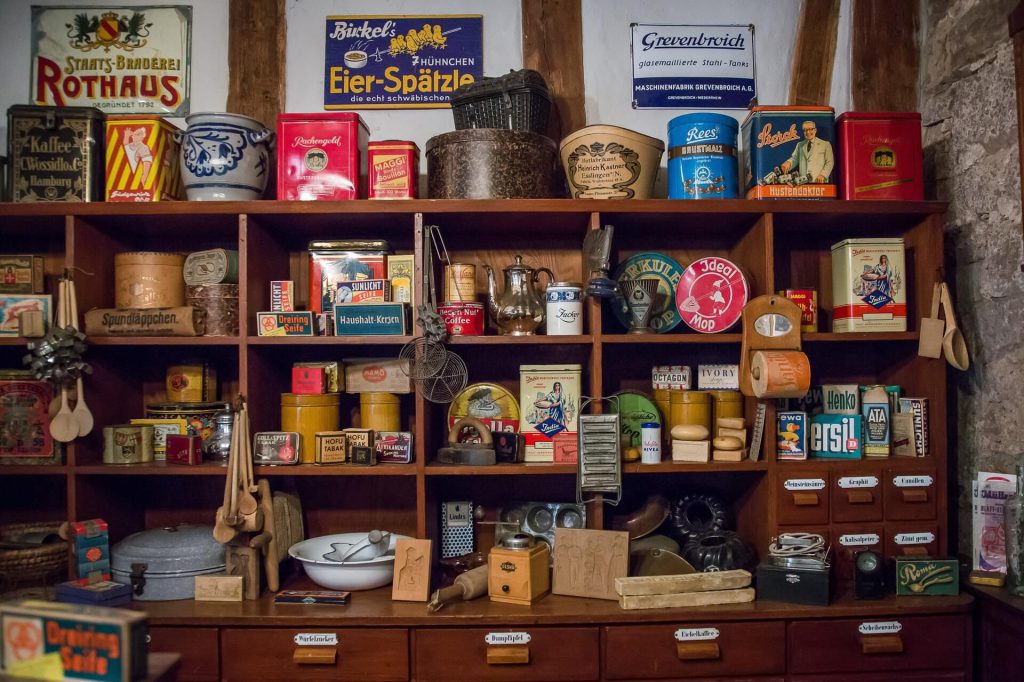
(881, 156)
(142, 159)
(788, 153)
(869, 291)
(321, 156)
(549, 399)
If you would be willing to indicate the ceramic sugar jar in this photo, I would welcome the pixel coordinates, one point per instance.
(224, 157)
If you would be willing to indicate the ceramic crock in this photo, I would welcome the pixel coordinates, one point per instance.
(224, 157)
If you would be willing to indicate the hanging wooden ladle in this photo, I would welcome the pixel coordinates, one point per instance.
(63, 426)
(953, 345)
(247, 503)
(225, 521)
(83, 415)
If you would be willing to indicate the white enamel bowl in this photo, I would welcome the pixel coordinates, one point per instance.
(351, 575)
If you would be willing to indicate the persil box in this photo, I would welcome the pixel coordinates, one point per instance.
(142, 159)
(881, 156)
(321, 156)
(788, 153)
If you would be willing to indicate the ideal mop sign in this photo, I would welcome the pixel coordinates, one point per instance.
(693, 67)
(400, 62)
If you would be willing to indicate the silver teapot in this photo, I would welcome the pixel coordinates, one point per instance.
(519, 309)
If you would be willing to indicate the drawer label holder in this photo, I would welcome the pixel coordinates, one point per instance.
(888, 627)
(805, 484)
(859, 539)
(847, 482)
(316, 639)
(919, 481)
(696, 634)
(914, 538)
(501, 638)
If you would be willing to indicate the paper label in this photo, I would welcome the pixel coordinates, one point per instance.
(805, 484)
(696, 634)
(316, 639)
(507, 638)
(888, 627)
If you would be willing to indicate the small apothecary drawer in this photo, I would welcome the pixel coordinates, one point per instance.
(200, 660)
(507, 654)
(885, 643)
(911, 539)
(802, 495)
(910, 494)
(356, 654)
(703, 650)
(856, 496)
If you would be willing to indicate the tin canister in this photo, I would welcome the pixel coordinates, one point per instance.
(219, 302)
(198, 416)
(127, 444)
(56, 153)
(213, 266)
(727, 405)
(191, 382)
(564, 308)
(690, 407)
(142, 159)
(459, 282)
(788, 153)
(393, 169)
(841, 398)
(309, 414)
(807, 299)
(379, 411)
(869, 285)
(145, 279)
(702, 154)
(881, 155)
(321, 156)
(463, 318)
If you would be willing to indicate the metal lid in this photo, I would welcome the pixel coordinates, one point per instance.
(565, 285)
(181, 548)
(518, 541)
(188, 408)
(523, 137)
(310, 399)
(349, 245)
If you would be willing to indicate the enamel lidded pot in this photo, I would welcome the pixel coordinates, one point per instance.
(224, 157)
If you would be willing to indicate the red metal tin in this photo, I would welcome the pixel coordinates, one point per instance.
(393, 169)
(463, 319)
(711, 295)
(807, 299)
(184, 449)
(880, 155)
(321, 156)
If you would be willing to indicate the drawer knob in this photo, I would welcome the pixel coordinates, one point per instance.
(912, 495)
(860, 497)
(919, 550)
(698, 651)
(315, 655)
(881, 644)
(508, 655)
(805, 499)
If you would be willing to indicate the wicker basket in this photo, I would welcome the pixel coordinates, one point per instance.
(516, 101)
(33, 566)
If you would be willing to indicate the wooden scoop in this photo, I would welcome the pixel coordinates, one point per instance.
(953, 345)
(63, 426)
(82, 413)
(247, 503)
(224, 527)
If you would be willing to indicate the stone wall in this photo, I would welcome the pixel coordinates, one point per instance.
(971, 160)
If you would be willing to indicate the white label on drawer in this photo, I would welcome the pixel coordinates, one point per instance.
(914, 538)
(858, 482)
(859, 539)
(316, 638)
(805, 484)
(887, 627)
(507, 638)
(696, 634)
(912, 481)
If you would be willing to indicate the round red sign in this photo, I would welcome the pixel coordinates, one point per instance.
(711, 295)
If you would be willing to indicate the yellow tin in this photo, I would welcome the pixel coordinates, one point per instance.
(459, 283)
(690, 407)
(192, 382)
(726, 404)
(379, 411)
(309, 415)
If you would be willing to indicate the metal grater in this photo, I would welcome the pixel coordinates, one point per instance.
(599, 468)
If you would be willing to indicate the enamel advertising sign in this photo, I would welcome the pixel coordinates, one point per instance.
(400, 62)
(123, 60)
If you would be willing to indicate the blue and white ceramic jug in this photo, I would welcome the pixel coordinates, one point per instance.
(224, 157)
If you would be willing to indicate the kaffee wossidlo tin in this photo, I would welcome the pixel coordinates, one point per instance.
(56, 153)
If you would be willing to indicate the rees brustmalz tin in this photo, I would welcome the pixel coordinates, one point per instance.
(881, 156)
(56, 153)
(789, 153)
(702, 157)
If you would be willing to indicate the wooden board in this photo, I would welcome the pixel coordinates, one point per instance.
(884, 69)
(589, 562)
(810, 82)
(219, 587)
(256, 64)
(412, 570)
(690, 582)
(553, 46)
(671, 601)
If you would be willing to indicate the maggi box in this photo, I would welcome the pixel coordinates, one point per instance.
(321, 156)
(880, 153)
(142, 159)
(90, 643)
(788, 153)
(869, 290)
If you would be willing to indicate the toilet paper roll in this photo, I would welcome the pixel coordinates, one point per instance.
(780, 374)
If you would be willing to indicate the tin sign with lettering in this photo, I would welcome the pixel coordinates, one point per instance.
(496, 638)
(400, 62)
(692, 67)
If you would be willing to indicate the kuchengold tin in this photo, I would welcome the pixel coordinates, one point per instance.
(56, 153)
(880, 154)
(788, 153)
(321, 156)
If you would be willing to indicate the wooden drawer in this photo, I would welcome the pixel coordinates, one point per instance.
(462, 654)
(653, 652)
(909, 539)
(848, 539)
(802, 495)
(360, 654)
(894, 677)
(200, 654)
(910, 493)
(837, 646)
(856, 496)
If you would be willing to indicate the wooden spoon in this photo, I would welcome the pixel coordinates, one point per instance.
(247, 503)
(953, 345)
(63, 427)
(83, 416)
(223, 530)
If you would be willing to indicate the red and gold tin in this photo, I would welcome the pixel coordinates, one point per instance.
(321, 156)
(142, 159)
(881, 156)
(459, 283)
(393, 170)
(463, 319)
(807, 299)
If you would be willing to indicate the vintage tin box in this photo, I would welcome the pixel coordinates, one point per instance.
(93, 643)
(332, 262)
(393, 169)
(869, 291)
(56, 153)
(25, 420)
(321, 156)
(161, 563)
(702, 157)
(21, 274)
(550, 399)
(880, 153)
(143, 159)
(13, 305)
(917, 575)
(789, 153)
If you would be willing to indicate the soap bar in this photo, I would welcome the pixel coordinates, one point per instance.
(728, 443)
(689, 432)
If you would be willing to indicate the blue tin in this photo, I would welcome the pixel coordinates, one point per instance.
(788, 153)
(702, 160)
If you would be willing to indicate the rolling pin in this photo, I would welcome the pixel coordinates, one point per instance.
(468, 585)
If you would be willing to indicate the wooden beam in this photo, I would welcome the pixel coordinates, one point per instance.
(884, 70)
(810, 82)
(553, 46)
(256, 49)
